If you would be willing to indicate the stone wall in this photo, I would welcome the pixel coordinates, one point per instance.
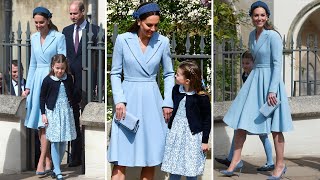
(12, 135)
(305, 112)
(93, 122)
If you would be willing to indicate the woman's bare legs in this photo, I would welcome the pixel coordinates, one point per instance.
(118, 173)
(44, 148)
(240, 138)
(48, 158)
(278, 140)
(147, 173)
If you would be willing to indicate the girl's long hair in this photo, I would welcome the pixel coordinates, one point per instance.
(191, 70)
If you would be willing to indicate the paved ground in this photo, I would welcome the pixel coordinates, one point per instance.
(68, 173)
(299, 168)
(73, 173)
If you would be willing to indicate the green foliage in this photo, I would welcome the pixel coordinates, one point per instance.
(177, 16)
(225, 30)
(225, 21)
(226, 83)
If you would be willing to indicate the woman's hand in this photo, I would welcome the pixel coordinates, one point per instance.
(45, 120)
(120, 111)
(272, 99)
(25, 93)
(167, 112)
(205, 147)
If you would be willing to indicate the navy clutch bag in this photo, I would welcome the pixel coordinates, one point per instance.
(267, 110)
(130, 122)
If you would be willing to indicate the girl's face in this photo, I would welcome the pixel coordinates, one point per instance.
(247, 64)
(42, 23)
(148, 26)
(59, 69)
(180, 79)
(259, 17)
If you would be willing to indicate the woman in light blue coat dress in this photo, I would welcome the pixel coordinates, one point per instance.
(263, 85)
(45, 43)
(137, 56)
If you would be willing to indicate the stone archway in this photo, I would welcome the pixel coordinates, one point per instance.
(306, 29)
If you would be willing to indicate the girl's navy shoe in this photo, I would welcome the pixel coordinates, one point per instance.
(266, 168)
(59, 177)
(53, 175)
(231, 173)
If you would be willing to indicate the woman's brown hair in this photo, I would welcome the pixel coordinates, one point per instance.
(135, 27)
(51, 25)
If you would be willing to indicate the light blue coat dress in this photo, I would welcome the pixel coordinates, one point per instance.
(264, 78)
(39, 68)
(140, 92)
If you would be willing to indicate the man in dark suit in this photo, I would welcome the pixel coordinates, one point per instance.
(14, 70)
(73, 34)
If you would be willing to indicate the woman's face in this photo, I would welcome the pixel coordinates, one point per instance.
(259, 17)
(148, 26)
(42, 23)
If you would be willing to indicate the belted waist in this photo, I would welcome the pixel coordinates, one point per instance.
(43, 65)
(140, 79)
(263, 65)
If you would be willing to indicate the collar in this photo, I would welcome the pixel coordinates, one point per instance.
(14, 83)
(82, 25)
(64, 77)
(181, 90)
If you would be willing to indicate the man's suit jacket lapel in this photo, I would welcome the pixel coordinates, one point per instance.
(12, 90)
(70, 44)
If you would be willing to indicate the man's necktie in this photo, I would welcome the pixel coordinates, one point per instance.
(76, 39)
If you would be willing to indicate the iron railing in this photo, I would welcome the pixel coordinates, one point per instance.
(197, 47)
(299, 73)
(92, 69)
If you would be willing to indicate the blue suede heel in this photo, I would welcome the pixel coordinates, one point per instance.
(278, 177)
(231, 173)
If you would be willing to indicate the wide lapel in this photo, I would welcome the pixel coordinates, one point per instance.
(69, 42)
(134, 46)
(49, 39)
(80, 42)
(262, 39)
(152, 47)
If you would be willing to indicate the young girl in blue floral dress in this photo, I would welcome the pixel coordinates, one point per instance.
(190, 125)
(56, 110)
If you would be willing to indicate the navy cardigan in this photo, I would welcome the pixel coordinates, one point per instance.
(198, 111)
(50, 90)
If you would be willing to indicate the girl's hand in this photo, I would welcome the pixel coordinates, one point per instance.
(120, 111)
(25, 93)
(272, 99)
(205, 147)
(167, 112)
(44, 120)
